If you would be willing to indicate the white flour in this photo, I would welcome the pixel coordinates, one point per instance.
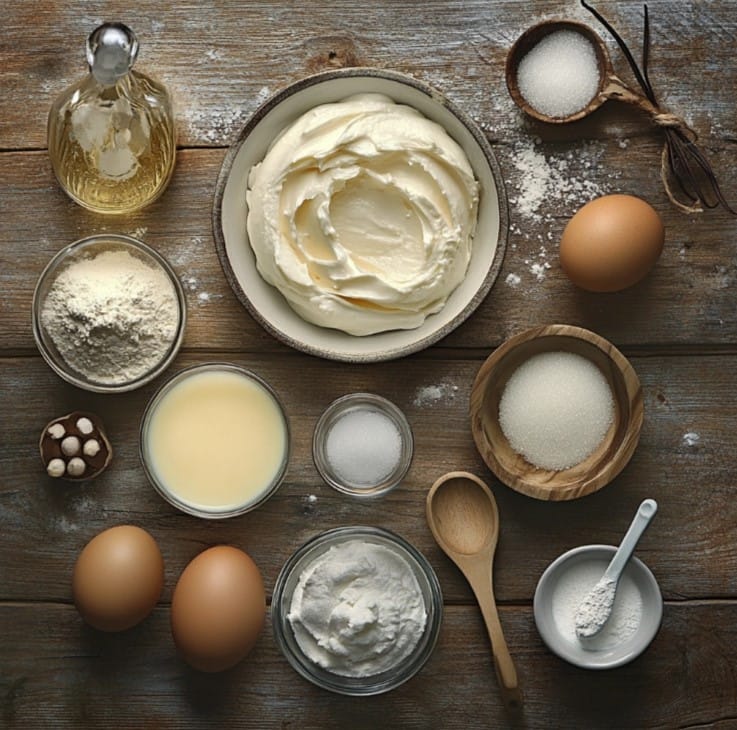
(572, 589)
(112, 317)
(595, 609)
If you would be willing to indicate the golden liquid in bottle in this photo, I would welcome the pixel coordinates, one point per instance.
(113, 149)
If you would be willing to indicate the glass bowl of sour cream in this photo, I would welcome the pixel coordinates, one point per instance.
(357, 610)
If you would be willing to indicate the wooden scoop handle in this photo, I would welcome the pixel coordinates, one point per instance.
(505, 670)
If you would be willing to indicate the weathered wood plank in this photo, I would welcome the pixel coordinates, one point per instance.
(57, 673)
(688, 299)
(221, 62)
(45, 523)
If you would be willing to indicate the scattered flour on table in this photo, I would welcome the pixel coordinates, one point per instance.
(547, 182)
(691, 439)
(513, 280)
(218, 126)
(430, 395)
(192, 284)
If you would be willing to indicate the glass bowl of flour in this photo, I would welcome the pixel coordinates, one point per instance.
(357, 610)
(108, 313)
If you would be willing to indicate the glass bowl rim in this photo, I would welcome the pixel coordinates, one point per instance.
(333, 413)
(67, 252)
(388, 679)
(155, 399)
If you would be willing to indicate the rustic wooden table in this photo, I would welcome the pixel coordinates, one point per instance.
(679, 329)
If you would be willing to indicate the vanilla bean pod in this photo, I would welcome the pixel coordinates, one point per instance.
(683, 165)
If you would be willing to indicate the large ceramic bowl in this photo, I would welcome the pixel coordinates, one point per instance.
(266, 303)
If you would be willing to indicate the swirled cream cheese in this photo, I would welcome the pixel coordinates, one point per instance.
(362, 214)
(358, 609)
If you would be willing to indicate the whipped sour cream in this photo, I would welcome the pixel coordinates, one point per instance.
(362, 214)
(358, 609)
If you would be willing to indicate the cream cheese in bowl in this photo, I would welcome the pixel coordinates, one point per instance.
(362, 214)
(357, 610)
(387, 205)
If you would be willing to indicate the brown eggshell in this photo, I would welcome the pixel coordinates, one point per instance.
(218, 608)
(611, 243)
(118, 578)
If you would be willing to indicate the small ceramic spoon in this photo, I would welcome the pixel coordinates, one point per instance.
(595, 609)
(464, 520)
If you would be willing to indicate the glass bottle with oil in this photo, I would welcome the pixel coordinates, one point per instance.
(111, 136)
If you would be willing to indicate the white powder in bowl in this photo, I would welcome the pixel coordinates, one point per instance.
(573, 587)
(363, 447)
(556, 409)
(112, 316)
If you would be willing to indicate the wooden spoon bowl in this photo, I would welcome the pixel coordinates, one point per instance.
(610, 457)
(529, 39)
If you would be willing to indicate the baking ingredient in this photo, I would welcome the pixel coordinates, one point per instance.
(556, 409)
(216, 440)
(56, 468)
(76, 467)
(596, 607)
(571, 589)
(559, 76)
(363, 447)
(357, 609)
(111, 135)
(362, 214)
(68, 451)
(218, 608)
(85, 426)
(112, 316)
(118, 578)
(611, 243)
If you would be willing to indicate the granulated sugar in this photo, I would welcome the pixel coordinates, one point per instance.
(556, 409)
(559, 76)
(363, 447)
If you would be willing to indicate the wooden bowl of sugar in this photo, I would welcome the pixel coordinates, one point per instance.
(556, 412)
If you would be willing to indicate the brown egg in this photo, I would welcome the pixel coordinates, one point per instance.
(218, 609)
(611, 243)
(118, 578)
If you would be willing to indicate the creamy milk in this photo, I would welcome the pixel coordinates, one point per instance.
(216, 440)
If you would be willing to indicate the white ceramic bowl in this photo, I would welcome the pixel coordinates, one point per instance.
(266, 303)
(572, 651)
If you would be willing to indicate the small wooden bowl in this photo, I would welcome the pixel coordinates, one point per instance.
(530, 38)
(612, 454)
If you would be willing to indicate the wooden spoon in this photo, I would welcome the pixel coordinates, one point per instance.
(464, 520)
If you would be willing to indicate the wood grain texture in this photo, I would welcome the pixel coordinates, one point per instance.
(136, 680)
(678, 328)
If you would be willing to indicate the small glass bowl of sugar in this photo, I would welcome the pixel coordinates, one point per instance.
(362, 445)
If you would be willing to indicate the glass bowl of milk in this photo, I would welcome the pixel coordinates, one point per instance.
(215, 440)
